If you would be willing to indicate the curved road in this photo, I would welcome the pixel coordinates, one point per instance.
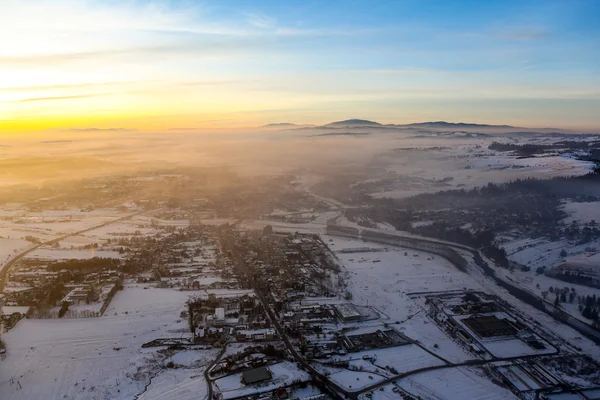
(16, 258)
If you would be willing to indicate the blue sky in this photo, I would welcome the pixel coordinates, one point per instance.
(76, 64)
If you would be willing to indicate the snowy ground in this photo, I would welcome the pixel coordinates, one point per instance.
(121, 229)
(403, 358)
(283, 374)
(538, 319)
(465, 164)
(185, 381)
(386, 283)
(183, 223)
(530, 281)
(11, 247)
(535, 253)
(582, 212)
(454, 384)
(51, 224)
(46, 253)
(96, 358)
(180, 384)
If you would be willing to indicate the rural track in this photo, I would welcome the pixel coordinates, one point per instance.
(7, 266)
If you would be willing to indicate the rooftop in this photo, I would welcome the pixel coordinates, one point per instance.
(256, 375)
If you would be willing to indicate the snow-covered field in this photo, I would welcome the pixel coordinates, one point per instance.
(530, 281)
(160, 222)
(537, 318)
(454, 384)
(121, 229)
(180, 384)
(466, 164)
(47, 225)
(354, 380)
(185, 381)
(385, 285)
(403, 358)
(536, 253)
(283, 374)
(96, 358)
(582, 212)
(11, 247)
(46, 253)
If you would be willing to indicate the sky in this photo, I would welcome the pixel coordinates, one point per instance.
(94, 66)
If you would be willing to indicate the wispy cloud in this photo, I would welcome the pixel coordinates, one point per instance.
(261, 20)
(54, 98)
(17, 89)
(515, 33)
(99, 130)
(210, 83)
(207, 48)
(215, 120)
(43, 59)
(525, 34)
(136, 31)
(407, 71)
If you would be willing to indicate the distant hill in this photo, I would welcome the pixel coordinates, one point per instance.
(336, 133)
(354, 123)
(448, 128)
(351, 123)
(444, 124)
(450, 134)
(481, 128)
(286, 125)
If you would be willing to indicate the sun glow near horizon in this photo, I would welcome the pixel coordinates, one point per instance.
(179, 65)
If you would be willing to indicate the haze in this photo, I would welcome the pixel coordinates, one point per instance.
(303, 200)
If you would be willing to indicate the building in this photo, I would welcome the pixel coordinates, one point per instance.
(255, 335)
(217, 319)
(347, 312)
(261, 374)
(79, 295)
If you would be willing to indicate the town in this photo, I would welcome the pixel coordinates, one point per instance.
(200, 282)
(270, 313)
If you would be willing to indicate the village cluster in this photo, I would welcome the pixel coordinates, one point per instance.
(264, 314)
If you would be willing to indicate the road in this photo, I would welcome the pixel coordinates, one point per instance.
(238, 259)
(16, 258)
(237, 256)
(521, 293)
(209, 381)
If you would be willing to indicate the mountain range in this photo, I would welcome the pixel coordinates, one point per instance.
(430, 125)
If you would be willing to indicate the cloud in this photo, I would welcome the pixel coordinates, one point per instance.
(191, 47)
(99, 130)
(80, 96)
(61, 86)
(525, 34)
(97, 33)
(261, 20)
(210, 83)
(70, 15)
(516, 33)
(407, 71)
(64, 58)
(311, 32)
